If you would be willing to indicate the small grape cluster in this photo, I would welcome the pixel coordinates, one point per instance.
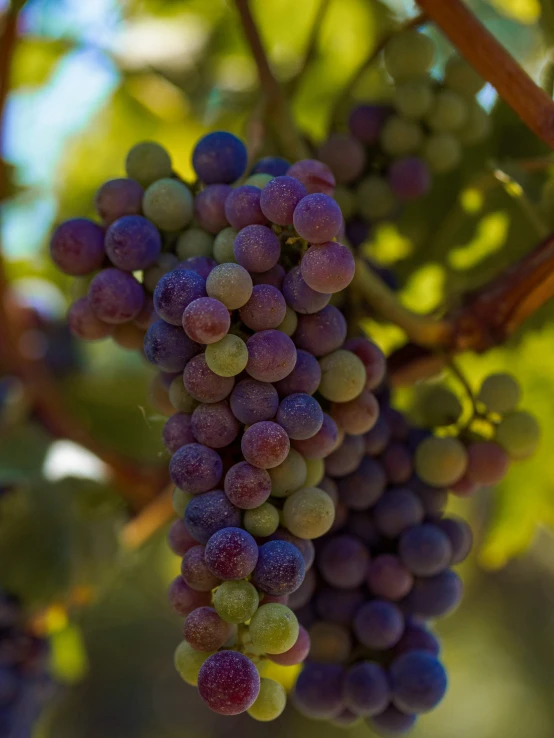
(392, 151)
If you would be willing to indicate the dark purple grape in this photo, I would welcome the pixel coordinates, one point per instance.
(299, 296)
(318, 692)
(366, 689)
(280, 197)
(206, 320)
(343, 561)
(425, 550)
(265, 444)
(317, 218)
(228, 682)
(323, 443)
(208, 513)
(460, 536)
(433, 499)
(133, 243)
(330, 486)
(201, 265)
(417, 637)
(387, 577)
(418, 682)
(115, 296)
(361, 489)
(379, 624)
(280, 568)
(77, 247)
(183, 599)
(339, 605)
(314, 175)
(247, 486)
(271, 356)
(297, 653)
(273, 276)
(346, 458)
(347, 719)
(252, 401)
(377, 439)
(118, 197)
(195, 468)
(214, 425)
(300, 415)
(177, 432)
(231, 553)
(274, 165)
(204, 630)
(305, 592)
(195, 572)
(179, 539)
(344, 155)
(209, 207)
(167, 347)
(357, 230)
(366, 122)
(361, 524)
(305, 377)
(265, 309)
(409, 178)
(305, 546)
(242, 207)
(175, 291)
(203, 384)
(397, 510)
(397, 460)
(392, 722)
(321, 332)
(306, 615)
(84, 323)
(257, 248)
(219, 157)
(398, 424)
(435, 597)
(328, 267)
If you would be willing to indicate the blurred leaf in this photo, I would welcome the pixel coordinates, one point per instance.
(35, 60)
(523, 11)
(68, 659)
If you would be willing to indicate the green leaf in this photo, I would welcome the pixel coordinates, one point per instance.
(35, 60)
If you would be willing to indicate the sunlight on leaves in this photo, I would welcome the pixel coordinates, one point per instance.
(388, 245)
(490, 236)
(523, 11)
(424, 290)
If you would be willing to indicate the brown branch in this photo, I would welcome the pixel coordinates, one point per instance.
(495, 64)
(149, 520)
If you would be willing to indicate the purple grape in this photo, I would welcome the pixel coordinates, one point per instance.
(219, 157)
(425, 550)
(118, 197)
(305, 377)
(328, 267)
(167, 347)
(195, 468)
(177, 432)
(300, 415)
(343, 561)
(252, 401)
(306, 616)
(361, 489)
(195, 572)
(357, 230)
(297, 653)
(206, 320)
(175, 291)
(396, 511)
(371, 357)
(273, 277)
(347, 719)
(265, 309)
(339, 605)
(317, 218)
(305, 546)
(433, 499)
(305, 592)
(379, 625)
(409, 178)
(274, 165)
(183, 599)
(387, 577)
(179, 539)
(271, 356)
(77, 247)
(280, 197)
(346, 458)
(361, 524)
(357, 416)
(377, 439)
(231, 553)
(257, 248)
(392, 722)
(265, 444)
(299, 296)
(242, 207)
(209, 207)
(435, 597)
(133, 243)
(84, 324)
(418, 682)
(247, 486)
(207, 513)
(416, 637)
(204, 630)
(228, 682)
(460, 536)
(323, 443)
(366, 122)
(115, 296)
(344, 155)
(214, 425)
(280, 568)
(203, 384)
(399, 426)
(322, 332)
(314, 175)
(318, 692)
(366, 688)
(397, 461)
(201, 265)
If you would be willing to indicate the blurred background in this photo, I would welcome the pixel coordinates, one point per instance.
(90, 79)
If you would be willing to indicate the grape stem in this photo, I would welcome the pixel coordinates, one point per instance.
(157, 513)
(495, 64)
(462, 379)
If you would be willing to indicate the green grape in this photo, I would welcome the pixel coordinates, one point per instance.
(261, 521)
(147, 162)
(409, 54)
(273, 628)
(461, 77)
(518, 433)
(329, 643)
(180, 398)
(315, 472)
(439, 406)
(443, 152)
(289, 476)
(308, 513)
(400, 136)
(440, 461)
(259, 180)
(374, 198)
(188, 662)
(194, 242)
(236, 602)
(227, 357)
(169, 204)
(270, 702)
(477, 127)
(346, 201)
(500, 393)
(448, 112)
(230, 284)
(180, 500)
(413, 98)
(343, 376)
(290, 322)
(224, 246)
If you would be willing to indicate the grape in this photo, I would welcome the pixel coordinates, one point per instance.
(265, 309)
(280, 197)
(357, 229)
(194, 242)
(460, 535)
(398, 423)
(180, 500)
(318, 692)
(418, 682)
(289, 476)
(396, 511)
(379, 624)
(341, 516)
(242, 207)
(387, 577)
(344, 155)
(301, 596)
(273, 628)
(397, 463)
(439, 406)
(464, 487)
(366, 689)
(328, 267)
(205, 630)
(305, 377)
(147, 162)
(314, 175)
(347, 719)
(273, 276)
(440, 461)
(374, 197)
(179, 539)
(448, 112)
(317, 218)
(274, 165)
(183, 599)
(236, 602)
(214, 425)
(262, 521)
(392, 722)
(208, 513)
(188, 662)
(329, 643)
(343, 376)
(366, 122)
(280, 568)
(228, 682)
(271, 356)
(231, 553)
(115, 297)
(400, 136)
(247, 486)
(417, 638)
(84, 324)
(357, 416)
(371, 357)
(519, 434)
(195, 572)
(362, 488)
(253, 401)
(177, 432)
(168, 203)
(180, 398)
(299, 296)
(219, 157)
(175, 291)
(338, 606)
(257, 248)
(500, 393)
(209, 209)
(306, 547)
(206, 320)
(425, 550)
(487, 463)
(409, 178)
(270, 703)
(231, 284)
(343, 561)
(201, 265)
(224, 245)
(477, 127)
(265, 444)
(413, 98)
(297, 653)
(289, 323)
(409, 54)
(443, 152)
(203, 384)
(300, 415)
(435, 597)
(315, 472)
(323, 443)
(195, 468)
(461, 77)
(346, 458)
(309, 512)
(227, 357)
(116, 198)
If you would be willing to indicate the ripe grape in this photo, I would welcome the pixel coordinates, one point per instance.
(242, 207)
(168, 203)
(346, 458)
(179, 539)
(247, 486)
(379, 624)
(209, 211)
(362, 488)
(236, 602)
(314, 175)
(321, 332)
(257, 248)
(204, 384)
(330, 643)
(271, 356)
(487, 463)
(435, 597)
(252, 401)
(460, 535)
(280, 568)
(343, 561)
(418, 682)
(317, 218)
(147, 162)
(387, 577)
(265, 444)
(195, 572)
(409, 178)
(273, 276)
(214, 425)
(425, 550)
(305, 377)
(299, 296)
(371, 357)
(366, 688)
(175, 291)
(206, 320)
(84, 323)
(344, 155)
(392, 722)
(231, 553)
(219, 157)
(115, 296)
(195, 468)
(118, 197)
(274, 628)
(300, 415)
(366, 122)
(276, 166)
(183, 599)
(306, 547)
(188, 662)
(208, 513)
(228, 682)
(205, 630)
(318, 692)
(323, 443)
(265, 309)
(280, 197)
(328, 267)
(417, 637)
(227, 357)
(270, 703)
(302, 596)
(357, 416)
(397, 510)
(308, 512)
